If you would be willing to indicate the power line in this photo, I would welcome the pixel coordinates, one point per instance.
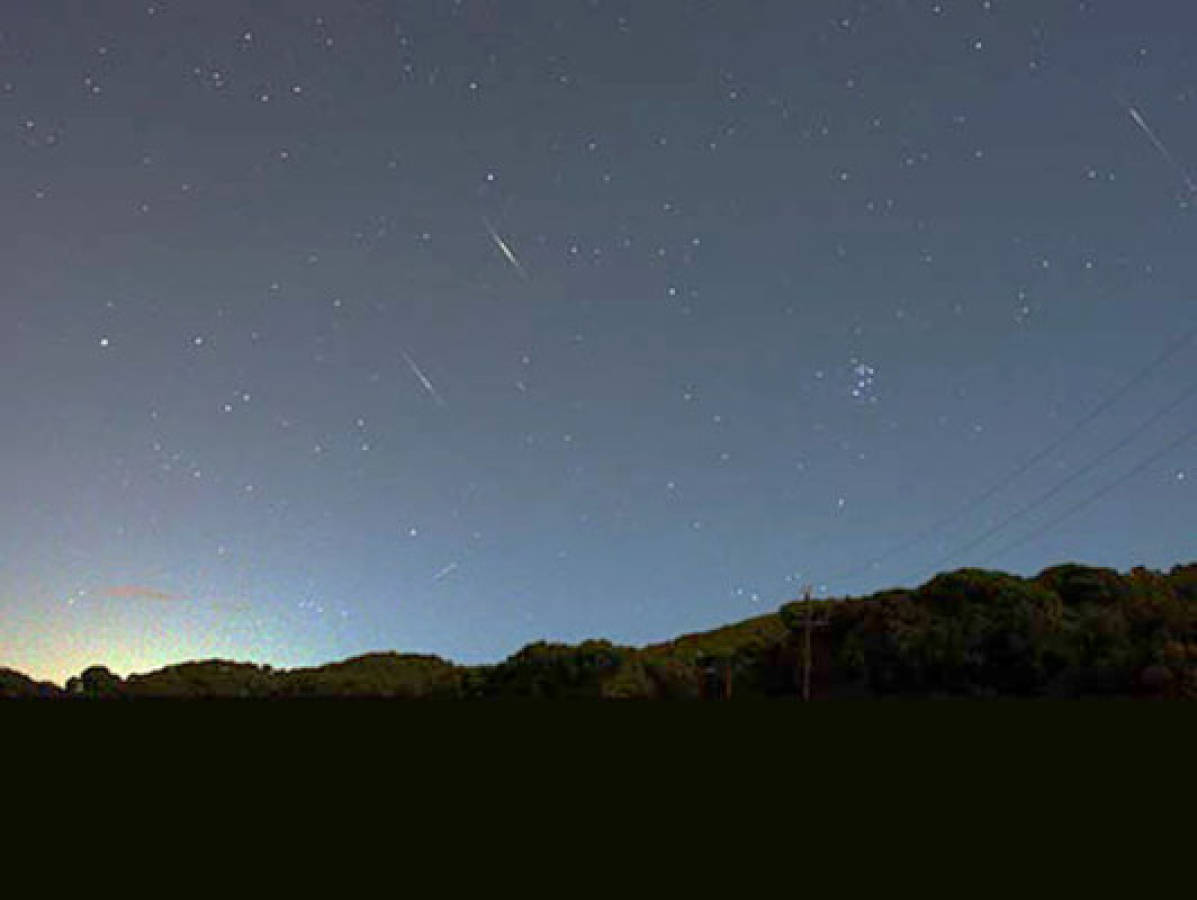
(1059, 486)
(1105, 404)
(1003, 482)
(1097, 495)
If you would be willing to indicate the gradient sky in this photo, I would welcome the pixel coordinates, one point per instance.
(330, 327)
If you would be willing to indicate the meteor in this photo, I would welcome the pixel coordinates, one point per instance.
(447, 570)
(423, 379)
(504, 249)
(1159, 145)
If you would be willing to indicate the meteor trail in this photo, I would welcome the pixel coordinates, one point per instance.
(447, 570)
(1159, 145)
(423, 379)
(504, 249)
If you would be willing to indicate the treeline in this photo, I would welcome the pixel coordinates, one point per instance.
(1071, 631)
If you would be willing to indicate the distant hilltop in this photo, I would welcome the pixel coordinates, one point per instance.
(1070, 631)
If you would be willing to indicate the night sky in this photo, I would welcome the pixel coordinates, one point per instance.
(444, 327)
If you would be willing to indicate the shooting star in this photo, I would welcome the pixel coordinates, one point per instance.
(447, 570)
(1159, 145)
(423, 379)
(504, 249)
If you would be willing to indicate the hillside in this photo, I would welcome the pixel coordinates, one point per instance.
(1070, 631)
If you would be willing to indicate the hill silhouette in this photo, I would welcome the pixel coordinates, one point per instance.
(1071, 631)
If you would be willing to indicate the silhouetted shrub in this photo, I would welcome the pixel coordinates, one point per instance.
(16, 685)
(96, 682)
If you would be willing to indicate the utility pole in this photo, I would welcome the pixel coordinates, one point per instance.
(806, 654)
